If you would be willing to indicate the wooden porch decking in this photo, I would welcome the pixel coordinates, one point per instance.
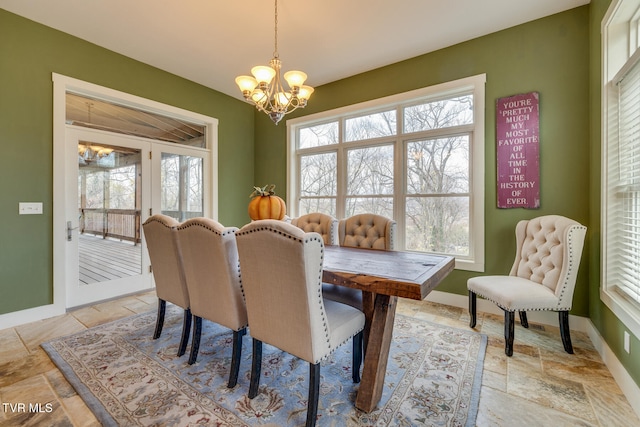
(106, 259)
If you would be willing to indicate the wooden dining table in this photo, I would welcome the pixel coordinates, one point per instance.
(383, 276)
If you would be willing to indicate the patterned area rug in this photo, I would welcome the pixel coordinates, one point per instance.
(128, 379)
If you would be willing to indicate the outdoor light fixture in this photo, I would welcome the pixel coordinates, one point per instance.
(91, 153)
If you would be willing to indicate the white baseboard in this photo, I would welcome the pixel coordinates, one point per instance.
(17, 318)
(578, 323)
(620, 374)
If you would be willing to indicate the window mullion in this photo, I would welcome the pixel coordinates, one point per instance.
(399, 183)
(341, 196)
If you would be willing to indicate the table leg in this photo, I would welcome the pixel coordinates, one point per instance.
(368, 305)
(377, 347)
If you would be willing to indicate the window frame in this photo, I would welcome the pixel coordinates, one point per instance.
(620, 43)
(474, 85)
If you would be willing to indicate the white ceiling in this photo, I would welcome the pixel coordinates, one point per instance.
(212, 41)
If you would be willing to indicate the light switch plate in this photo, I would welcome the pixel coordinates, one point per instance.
(30, 208)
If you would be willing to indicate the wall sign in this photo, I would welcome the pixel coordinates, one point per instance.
(517, 148)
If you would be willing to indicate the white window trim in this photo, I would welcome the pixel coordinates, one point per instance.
(477, 83)
(614, 29)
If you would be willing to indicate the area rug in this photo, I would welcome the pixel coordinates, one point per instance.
(126, 378)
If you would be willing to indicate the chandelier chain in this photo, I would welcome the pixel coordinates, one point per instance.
(275, 43)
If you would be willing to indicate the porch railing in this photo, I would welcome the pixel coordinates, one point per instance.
(123, 224)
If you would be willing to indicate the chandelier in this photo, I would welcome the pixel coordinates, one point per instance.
(266, 91)
(90, 153)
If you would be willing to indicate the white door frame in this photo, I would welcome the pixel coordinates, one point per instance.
(62, 85)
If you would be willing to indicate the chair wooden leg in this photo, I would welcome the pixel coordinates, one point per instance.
(195, 339)
(523, 319)
(235, 357)
(256, 368)
(186, 329)
(472, 309)
(162, 307)
(564, 331)
(509, 320)
(356, 357)
(314, 394)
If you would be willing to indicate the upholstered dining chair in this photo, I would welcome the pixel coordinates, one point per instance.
(282, 273)
(323, 224)
(368, 231)
(168, 273)
(543, 275)
(212, 274)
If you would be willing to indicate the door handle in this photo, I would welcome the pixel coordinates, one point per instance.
(69, 230)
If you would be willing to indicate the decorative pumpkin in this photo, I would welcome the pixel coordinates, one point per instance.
(265, 204)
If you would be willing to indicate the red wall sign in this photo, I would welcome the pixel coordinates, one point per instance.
(517, 148)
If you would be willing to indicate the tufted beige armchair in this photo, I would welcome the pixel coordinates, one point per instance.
(367, 231)
(281, 275)
(212, 274)
(168, 272)
(543, 275)
(323, 224)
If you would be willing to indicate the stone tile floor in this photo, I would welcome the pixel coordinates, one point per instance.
(540, 385)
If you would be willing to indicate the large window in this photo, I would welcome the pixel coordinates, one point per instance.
(417, 157)
(621, 163)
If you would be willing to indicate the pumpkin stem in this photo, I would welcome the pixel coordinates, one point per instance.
(267, 190)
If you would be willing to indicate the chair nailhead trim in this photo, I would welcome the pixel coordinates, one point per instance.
(306, 240)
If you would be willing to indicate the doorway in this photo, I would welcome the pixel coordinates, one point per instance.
(108, 182)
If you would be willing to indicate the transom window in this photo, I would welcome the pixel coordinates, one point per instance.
(417, 157)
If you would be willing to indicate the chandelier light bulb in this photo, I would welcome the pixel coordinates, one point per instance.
(295, 78)
(259, 96)
(282, 98)
(263, 74)
(246, 84)
(305, 92)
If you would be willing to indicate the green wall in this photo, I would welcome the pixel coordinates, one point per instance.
(604, 320)
(551, 56)
(29, 53)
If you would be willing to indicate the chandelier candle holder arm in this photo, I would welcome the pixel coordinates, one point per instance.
(266, 91)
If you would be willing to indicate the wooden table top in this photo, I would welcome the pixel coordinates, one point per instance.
(397, 273)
